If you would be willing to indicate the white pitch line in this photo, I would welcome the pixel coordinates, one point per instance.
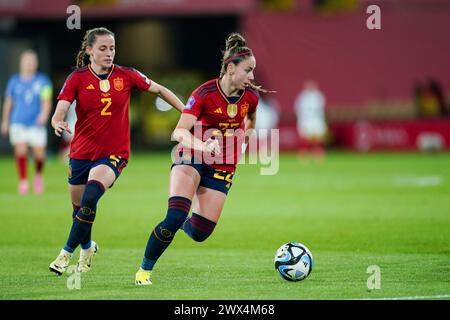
(424, 181)
(440, 296)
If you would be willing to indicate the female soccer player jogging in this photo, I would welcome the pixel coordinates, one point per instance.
(101, 145)
(28, 103)
(211, 131)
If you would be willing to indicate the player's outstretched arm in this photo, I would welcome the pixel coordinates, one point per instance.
(183, 135)
(58, 122)
(167, 96)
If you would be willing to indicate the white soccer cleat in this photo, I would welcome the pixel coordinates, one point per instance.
(61, 263)
(84, 263)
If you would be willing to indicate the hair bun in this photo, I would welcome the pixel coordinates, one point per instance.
(234, 40)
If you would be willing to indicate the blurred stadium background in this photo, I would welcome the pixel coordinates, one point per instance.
(369, 77)
(353, 210)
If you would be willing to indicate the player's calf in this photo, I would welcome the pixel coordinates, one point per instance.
(163, 234)
(84, 218)
(198, 228)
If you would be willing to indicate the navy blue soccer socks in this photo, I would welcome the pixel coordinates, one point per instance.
(163, 234)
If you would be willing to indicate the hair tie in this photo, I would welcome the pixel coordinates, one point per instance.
(237, 55)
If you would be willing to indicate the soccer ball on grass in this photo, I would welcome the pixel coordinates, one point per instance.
(293, 261)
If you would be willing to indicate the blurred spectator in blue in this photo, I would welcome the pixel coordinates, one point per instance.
(27, 106)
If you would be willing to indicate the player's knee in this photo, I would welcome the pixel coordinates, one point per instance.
(174, 220)
(199, 228)
(88, 206)
(92, 193)
(176, 214)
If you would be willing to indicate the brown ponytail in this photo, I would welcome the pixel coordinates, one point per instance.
(236, 51)
(88, 41)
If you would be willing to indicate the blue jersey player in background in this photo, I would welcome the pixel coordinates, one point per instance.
(25, 115)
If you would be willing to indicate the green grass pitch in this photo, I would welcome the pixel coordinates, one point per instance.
(352, 211)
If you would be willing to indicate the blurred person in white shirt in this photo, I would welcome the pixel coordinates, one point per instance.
(311, 123)
(267, 114)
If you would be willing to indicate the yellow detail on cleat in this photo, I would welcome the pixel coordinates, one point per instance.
(143, 277)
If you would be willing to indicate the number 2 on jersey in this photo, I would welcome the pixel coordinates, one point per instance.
(108, 104)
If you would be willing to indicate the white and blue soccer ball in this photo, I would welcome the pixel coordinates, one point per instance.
(293, 261)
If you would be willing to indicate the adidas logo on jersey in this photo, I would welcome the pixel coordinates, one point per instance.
(90, 87)
(218, 110)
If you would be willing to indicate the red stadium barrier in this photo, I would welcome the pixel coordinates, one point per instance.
(408, 135)
(393, 135)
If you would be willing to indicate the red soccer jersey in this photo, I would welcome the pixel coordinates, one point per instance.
(217, 116)
(103, 127)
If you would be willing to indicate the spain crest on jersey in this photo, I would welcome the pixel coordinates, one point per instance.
(118, 84)
(232, 110)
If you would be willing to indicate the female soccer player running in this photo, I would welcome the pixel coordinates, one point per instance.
(28, 103)
(101, 145)
(218, 113)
